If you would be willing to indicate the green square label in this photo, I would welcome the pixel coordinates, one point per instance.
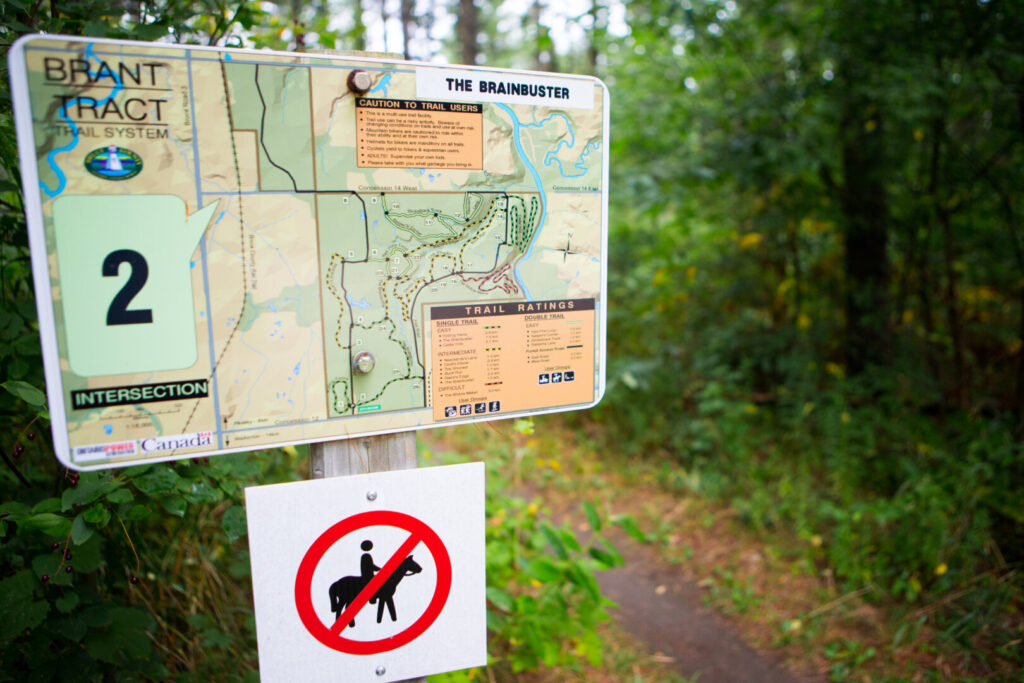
(125, 281)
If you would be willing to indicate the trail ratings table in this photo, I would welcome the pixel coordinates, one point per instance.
(503, 355)
(366, 571)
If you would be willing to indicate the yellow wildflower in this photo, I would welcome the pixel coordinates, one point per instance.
(750, 240)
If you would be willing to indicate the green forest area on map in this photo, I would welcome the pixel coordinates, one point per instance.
(382, 255)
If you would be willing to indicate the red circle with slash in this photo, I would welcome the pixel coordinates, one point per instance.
(330, 635)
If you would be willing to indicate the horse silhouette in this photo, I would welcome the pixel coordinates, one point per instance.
(346, 589)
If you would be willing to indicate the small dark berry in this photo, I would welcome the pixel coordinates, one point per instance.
(45, 577)
(18, 450)
(54, 545)
(67, 554)
(68, 569)
(30, 436)
(135, 580)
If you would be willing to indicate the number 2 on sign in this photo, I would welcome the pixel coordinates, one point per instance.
(118, 313)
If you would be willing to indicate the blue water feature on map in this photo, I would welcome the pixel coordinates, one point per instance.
(516, 125)
(51, 157)
(549, 158)
(108, 430)
(362, 303)
(383, 85)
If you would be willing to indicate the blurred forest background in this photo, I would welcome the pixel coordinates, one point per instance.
(816, 322)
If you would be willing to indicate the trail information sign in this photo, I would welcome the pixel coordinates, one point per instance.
(371, 577)
(234, 249)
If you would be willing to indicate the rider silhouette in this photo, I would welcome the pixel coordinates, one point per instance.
(366, 566)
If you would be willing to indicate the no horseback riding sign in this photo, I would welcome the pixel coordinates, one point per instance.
(373, 577)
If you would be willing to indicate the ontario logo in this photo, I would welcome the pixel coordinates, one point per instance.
(113, 163)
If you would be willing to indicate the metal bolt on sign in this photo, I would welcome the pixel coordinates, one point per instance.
(363, 363)
(359, 82)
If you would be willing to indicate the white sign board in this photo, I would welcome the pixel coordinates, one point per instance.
(372, 577)
(236, 249)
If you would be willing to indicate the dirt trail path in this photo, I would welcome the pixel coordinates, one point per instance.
(661, 601)
(664, 610)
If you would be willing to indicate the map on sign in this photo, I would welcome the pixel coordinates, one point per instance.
(235, 249)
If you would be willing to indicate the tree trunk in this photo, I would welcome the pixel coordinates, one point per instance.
(407, 26)
(468, 27)
(953, 318)
(866, 219)
(596, 16)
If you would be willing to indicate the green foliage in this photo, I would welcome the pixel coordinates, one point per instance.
(867, 403)
(74, 557)
(543, 601)
(733, 594)
(846, 656)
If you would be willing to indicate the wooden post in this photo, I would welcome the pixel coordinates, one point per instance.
(363, 454)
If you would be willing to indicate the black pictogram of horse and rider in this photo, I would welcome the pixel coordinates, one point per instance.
(345, 590)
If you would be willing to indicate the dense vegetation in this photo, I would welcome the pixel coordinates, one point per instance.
(816, 316)
(817, 278)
